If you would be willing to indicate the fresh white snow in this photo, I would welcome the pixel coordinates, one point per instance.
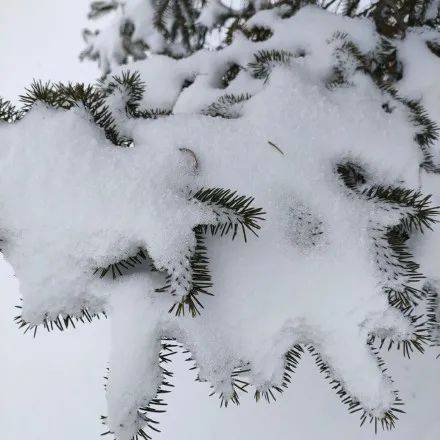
(72, 202)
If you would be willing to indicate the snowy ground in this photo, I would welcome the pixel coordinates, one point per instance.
(51, 387)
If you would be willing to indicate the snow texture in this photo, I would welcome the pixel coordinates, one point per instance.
(73, 202)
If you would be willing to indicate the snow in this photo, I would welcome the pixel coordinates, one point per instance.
(83, 203)
(433, 9)
(132, 384)
(420, 82)
(90, 176)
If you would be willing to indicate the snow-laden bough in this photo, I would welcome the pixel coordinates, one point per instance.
(241, 203)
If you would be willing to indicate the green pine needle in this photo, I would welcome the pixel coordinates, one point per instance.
(266, 60)
(389, 418)
(234, 213)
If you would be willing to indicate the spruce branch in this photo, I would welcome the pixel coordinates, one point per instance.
(176, 21)
(384, 64)
(39, 92)
(346, 53)
(125, 265)
(401, 271)
(128, 84)
(389, 417)
(350, 7)
(66, 96)
(190, 275)
(131, 89)
(266, 60)
(146, 414)
(238, 384)
(352, 175)
(393, 258)
(433, 312)
(8, 112)
(230, 74)
(93, 101)
(417, 341)
(418, 212)
(427, 131)
(258, 33)
(254, 33)
(291, 362)
(101, 7)
(434, 47)
(384, 68)
(233, 212)
(162, 11)
(153, 113)
(227, 106)
(62, 322)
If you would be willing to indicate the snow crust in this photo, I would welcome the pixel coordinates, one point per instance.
(72, 202)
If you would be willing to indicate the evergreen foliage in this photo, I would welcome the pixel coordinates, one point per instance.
(178, 28)
(185, 26)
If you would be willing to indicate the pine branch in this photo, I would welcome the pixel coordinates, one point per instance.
(345, 49)
(154, 113)
(8, 113)
(353, 175)
(385, 68)
(191, 275)
(428, 131)
(162, 11)
(176, 21)
(39, 92)
(129, 85)
(433, 313)
(350, 7)
(146, 414)
(93, 101)
(291, 362)
(102, 7)
(384, 65)
(434, 47)
(254, 33)
(233, 212)
(266, 60)
(231, 73)
(131, 89)
(419, 339)
(226, 106)
(61, 322)
(123, 266)
(258, 33)
(239, 384)
(61, 96)
(402, 270)
(418, 212)
(390, 416)
(393, 258)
